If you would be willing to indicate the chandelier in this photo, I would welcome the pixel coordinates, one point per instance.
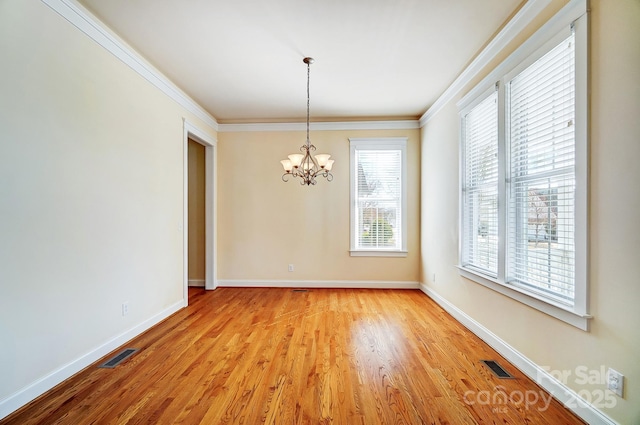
(304, 165)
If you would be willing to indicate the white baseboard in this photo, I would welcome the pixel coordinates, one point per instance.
(557, 389)
(196, 282)
(13, 402)
(348, 284)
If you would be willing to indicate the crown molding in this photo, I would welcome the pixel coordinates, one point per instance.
(86, 22)
(517, 24)
(572, 11)
(321, 126)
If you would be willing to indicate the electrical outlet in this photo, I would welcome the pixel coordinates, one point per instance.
(125, 308)
(290, 267)
(434, 278)
(615, 381)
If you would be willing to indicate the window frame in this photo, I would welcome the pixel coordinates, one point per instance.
(573, 17)
(463, 246)
(383, 143)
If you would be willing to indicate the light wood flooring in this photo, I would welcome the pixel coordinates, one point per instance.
(277, 356)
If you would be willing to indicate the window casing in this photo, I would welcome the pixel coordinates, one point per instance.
(378, 197)
(524, 160)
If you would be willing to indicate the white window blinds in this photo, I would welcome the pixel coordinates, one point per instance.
(480, 186)
(541, 143)
(524, 216)
(378, 199)
(378, 195)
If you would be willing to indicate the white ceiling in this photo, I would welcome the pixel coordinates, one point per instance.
(242, 59)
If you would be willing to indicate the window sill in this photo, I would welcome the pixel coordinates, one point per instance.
(377, 253)
(560, 312)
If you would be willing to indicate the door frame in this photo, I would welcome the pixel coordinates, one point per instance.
(211, 211)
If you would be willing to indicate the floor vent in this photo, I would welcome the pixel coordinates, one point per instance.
(497, 369)
(119, 358)
(300, 290)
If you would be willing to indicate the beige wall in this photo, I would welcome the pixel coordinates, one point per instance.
(91, 205)
(91, 196)
(614, 339)
(196, 174)
(265, 224)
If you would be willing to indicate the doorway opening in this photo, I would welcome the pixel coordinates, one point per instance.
(199, 166)
(196, 218)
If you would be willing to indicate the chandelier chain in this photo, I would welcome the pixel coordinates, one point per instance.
(308, 101)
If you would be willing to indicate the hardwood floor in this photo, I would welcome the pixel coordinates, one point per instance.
(277, 356)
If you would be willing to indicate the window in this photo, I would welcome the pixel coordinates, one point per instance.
(378, 197)
(541, 115)
(523, 197)
(480, 186)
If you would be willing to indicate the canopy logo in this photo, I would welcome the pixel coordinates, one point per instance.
(499, 399)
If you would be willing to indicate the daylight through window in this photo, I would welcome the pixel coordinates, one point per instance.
(378, 195)
(523, 187)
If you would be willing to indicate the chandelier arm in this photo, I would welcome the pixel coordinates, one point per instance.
(323, 173)
(308, 178)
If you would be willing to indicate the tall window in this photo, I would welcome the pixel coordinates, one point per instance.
(541, 135)
(480, 185)
(378, 196)
(523, 199)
